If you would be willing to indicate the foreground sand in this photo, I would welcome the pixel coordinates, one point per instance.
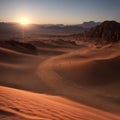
(73, 83)
(18, 104)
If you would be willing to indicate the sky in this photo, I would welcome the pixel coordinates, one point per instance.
(59, 11)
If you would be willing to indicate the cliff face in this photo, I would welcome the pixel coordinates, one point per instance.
(108, 31)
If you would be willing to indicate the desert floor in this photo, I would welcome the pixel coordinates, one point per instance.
(63, 81)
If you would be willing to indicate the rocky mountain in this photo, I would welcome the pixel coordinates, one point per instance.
(108, 31)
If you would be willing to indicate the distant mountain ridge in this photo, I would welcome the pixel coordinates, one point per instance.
(14, 28)
(90, 24)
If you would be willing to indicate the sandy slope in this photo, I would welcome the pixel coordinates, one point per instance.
(87, 75)
(34, 106)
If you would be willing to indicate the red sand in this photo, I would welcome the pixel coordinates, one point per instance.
(76, 84)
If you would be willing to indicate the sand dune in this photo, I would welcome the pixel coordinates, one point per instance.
(89, 76)
(20, 104)
(19, 46)
(86, 75)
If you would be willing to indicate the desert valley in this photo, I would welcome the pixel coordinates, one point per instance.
(59, 79)
(52, 71)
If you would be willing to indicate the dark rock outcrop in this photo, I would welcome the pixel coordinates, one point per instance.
(108, 31)
(19, 46)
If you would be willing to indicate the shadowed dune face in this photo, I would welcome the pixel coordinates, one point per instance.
(92, 73)
(6, 115)
(19, 46)
(10, 56)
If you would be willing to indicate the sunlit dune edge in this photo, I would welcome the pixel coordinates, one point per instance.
(43, 107)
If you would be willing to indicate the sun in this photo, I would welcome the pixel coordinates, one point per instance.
(24, 21)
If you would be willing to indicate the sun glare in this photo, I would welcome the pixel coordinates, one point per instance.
(24, 21)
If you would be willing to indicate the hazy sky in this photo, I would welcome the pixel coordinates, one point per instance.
(59, 11)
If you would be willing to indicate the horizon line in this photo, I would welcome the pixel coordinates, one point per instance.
(57, 23)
